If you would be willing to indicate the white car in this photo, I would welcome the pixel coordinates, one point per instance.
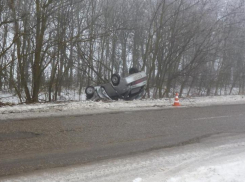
(129, 88)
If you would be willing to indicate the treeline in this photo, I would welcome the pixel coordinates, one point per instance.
(183, 45)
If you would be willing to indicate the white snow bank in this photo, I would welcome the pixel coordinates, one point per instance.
(220, 163)
(224, 172)
(89, 107)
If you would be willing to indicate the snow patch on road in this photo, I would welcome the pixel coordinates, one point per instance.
(137, 180)
(224, 172)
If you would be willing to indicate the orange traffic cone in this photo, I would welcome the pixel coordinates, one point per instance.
(176, 100)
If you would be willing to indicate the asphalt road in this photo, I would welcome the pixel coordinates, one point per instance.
(28, 145)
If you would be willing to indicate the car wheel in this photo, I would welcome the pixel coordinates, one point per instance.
(133, 70)
(115, 79)
(89, 90)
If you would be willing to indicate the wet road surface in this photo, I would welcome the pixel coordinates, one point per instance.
(32, 144)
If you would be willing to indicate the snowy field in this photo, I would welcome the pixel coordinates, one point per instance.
(220, 158)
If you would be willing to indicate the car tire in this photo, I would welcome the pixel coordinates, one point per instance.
(115, 79)
(89, 90)
(133, 70)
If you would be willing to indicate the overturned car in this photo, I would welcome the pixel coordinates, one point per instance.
(129, 88)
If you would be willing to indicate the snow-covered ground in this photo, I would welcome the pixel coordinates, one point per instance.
(89, 107)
